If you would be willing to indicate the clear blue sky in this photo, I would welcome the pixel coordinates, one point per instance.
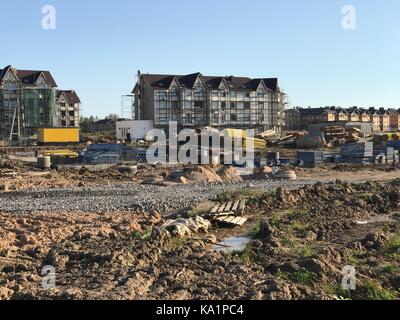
(98, 46)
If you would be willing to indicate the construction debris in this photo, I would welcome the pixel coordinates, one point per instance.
(187, 227)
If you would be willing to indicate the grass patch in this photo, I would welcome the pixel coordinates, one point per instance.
(374, 291)
(300, 228)
(293, 214)
(394, 247)
(197, 212)
(254, 230)
(177, 242)
(248, 256)
(306, 251)
(283, 275)
(353, 257)
(390, 268)
(304, 277)
(287, 242)
(142, 236)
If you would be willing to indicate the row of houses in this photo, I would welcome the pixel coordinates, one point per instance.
(30, 99)
(381, 119)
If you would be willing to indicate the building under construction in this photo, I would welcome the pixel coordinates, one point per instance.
(197, 101)
(27, 102)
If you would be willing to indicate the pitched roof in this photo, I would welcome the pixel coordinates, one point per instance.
(235, 83)
(70, 95)
(29, 77)
(3, 72)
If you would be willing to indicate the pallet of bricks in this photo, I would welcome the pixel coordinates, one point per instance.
(395, 144)
(310, 159)
(385, 155)
(357, 153)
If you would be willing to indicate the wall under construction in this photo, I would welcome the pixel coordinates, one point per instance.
(24, 110)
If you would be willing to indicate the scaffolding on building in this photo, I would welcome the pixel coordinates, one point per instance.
(234, 108)
(128, 107)
(24, 110)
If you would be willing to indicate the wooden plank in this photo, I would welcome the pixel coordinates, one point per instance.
(236, 205)
(243, 205)
(222, 207)
(229, 219)
(228, 206)
(236, 220)
(215, 209)
(242, 221)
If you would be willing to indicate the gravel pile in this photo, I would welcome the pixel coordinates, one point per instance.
(127, 197)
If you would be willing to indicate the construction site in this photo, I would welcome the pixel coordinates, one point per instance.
(114, 226)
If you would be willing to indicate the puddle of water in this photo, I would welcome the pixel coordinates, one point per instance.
(232, 244)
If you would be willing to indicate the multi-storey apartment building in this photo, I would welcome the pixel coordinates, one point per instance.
(394, 121)
(384, 119)
(68, 105)
(27, 101)
(196, 101)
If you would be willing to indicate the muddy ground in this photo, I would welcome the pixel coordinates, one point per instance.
(300, 242)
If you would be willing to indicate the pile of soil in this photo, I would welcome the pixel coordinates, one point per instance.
(195, 174)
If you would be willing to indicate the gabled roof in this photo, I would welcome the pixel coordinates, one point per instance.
(29, 77)
(161, 81)
(70, 96)
(3, 72)
(189, 80)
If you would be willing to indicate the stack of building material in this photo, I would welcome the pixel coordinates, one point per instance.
(384, 154)
(103, 154)
(310, 159)
(361, 153)
(393, 144)
(134, 154)
(328, 157)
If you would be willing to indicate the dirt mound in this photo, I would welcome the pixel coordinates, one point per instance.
(229, 173)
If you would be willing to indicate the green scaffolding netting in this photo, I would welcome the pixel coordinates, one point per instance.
(25, 109)
(39, 107)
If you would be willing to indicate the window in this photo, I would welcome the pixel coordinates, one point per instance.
(215, 118)
(223, 94)
(71, 105)
(199, 104)
(72, 123)
(233, 117)
(174, 106)
(223, 106)
(71, 114)
(188, 119)
(247, 105)
(247, 95)
(62, 104)
(233, 105)
(63, 114)
(188, 105)
(233, 94)
(188, 94)
(215, 105)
